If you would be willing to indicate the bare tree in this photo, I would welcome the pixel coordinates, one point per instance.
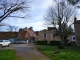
(15, 28)
(74, 2)
(2, 24)
(61, 13)
(11, 8)
(11, 28)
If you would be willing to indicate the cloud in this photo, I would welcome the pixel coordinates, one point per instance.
(36, 25)
(38, 9)
(41, 4)
(46, 3)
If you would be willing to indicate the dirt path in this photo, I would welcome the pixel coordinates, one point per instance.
(28, 52)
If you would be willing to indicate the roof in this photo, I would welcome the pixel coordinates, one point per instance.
(22, 34)
(5, 34)
(51, 28)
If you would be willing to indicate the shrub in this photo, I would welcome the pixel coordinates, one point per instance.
(41, 42)
(10, 35)
(55, 43)
(61, 47)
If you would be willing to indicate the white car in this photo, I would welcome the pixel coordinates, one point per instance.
(4, 43)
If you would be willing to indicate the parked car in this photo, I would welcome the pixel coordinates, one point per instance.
(20, 41)
(4, 43)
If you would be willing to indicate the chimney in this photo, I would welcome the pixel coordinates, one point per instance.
(31, 28)
(75, 19)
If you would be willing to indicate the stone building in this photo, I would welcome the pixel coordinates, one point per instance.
(28, 33)
(48, 34)
(23, 34)
(77, 30)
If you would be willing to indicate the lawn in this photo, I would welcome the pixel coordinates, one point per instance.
(69, 53)
(8, 55)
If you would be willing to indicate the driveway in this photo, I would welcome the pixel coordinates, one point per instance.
(27, 52)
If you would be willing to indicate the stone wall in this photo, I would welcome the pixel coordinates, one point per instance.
(77, 33)
(49, 35)
(77, 30)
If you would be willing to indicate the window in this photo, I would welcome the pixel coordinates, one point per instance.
(73, 38)
(44, 35)
(6, 41)
(53, 35)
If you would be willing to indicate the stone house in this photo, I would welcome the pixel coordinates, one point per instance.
(77, 30)
(30, 35)
(48, 34)
(27, 34)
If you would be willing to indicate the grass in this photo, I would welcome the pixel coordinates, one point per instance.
(8, 55)
(69, 53)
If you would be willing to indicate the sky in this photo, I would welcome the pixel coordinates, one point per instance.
(36, 20)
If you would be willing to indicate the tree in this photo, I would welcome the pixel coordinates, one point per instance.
(60, 16)
(20, 29)
(2, 24)
(11, 28)
(10, 35)
(73, 2)
(11, 8)
(66, 31)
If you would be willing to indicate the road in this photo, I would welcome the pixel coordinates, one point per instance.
(27, 52)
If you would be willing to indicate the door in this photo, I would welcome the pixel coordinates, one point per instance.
(11, 40)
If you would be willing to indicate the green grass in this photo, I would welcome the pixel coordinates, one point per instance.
(8, 55)
(69, 53)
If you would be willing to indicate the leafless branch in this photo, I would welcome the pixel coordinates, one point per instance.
(7, 8)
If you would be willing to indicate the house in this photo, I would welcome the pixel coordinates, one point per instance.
(27, 34)
(9, 35)
(24, 34)
(6, 35)
(48, 34)
(30, 35)
(77, 30)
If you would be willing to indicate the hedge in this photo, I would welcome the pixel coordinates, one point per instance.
(55, 43)
(41, 42)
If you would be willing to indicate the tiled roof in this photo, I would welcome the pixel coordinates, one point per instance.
(22, 34)
(4, 34)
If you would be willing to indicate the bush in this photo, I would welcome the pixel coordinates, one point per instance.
(55, 43)
(41, 42)
(61, 47)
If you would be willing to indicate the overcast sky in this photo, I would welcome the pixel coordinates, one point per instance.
(36, 20)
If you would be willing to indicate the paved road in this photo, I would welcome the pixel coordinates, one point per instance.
(27, 51)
